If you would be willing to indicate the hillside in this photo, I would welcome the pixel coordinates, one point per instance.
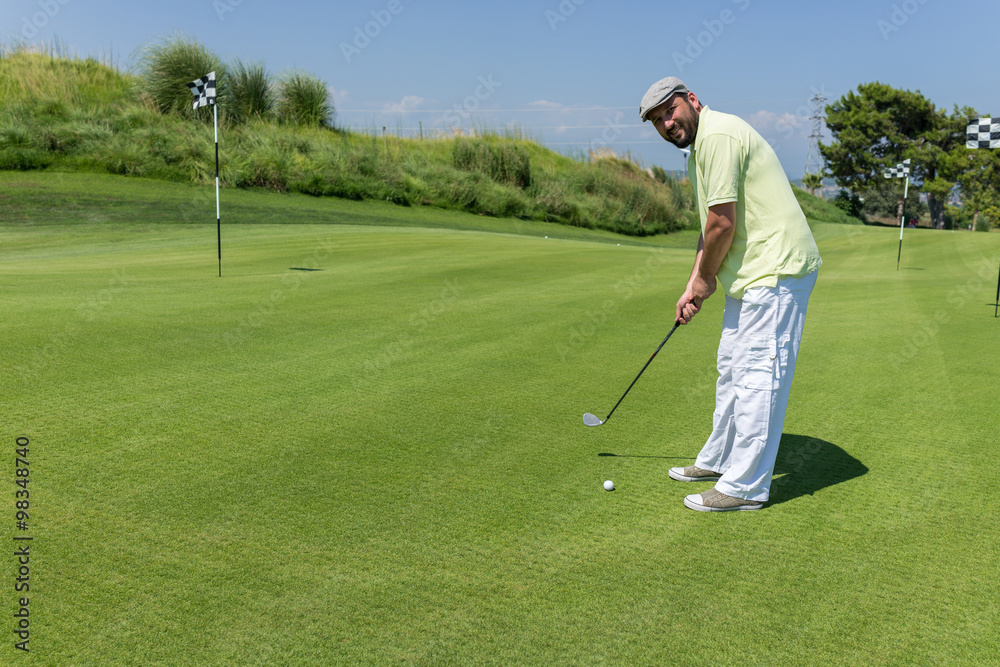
(73, 115)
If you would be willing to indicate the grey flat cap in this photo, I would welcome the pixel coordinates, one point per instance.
(658, 93)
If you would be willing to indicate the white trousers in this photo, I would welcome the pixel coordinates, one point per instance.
(760, 343)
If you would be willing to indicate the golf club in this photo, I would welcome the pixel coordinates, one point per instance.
(592, 420)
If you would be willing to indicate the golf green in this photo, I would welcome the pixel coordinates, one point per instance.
(363, 445)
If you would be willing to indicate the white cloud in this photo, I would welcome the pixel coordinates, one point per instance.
(408, 103)
(786, 124)
(339, 96)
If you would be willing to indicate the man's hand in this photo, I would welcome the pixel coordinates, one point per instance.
(697, 291)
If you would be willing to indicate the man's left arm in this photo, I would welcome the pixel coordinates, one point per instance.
(720, 227)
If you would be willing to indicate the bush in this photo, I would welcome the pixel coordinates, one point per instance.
(305, 100)
(850, 203)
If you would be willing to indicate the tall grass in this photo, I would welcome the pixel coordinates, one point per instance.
(167, 66)
(252, 94)
(305, 100)
(503, 162)
(30, 76)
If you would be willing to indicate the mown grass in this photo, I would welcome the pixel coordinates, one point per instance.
(381, 459)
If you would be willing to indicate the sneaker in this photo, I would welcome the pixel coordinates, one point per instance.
(716, 501)
(693, 474)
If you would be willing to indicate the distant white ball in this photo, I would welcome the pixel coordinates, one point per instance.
(619, 244)
(546, 237)
(609, 485)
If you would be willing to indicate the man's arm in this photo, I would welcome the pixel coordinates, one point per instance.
(713, 245)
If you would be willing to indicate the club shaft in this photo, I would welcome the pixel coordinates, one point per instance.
(676, 324)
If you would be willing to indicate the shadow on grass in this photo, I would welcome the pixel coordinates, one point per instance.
(806, 465)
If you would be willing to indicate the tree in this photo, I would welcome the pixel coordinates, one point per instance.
(975, 172)
(882, 200)
(880, 126)
(812, 181)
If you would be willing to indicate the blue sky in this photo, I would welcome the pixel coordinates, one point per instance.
(568, 72)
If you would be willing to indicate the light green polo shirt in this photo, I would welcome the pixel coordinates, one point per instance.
(730, 161)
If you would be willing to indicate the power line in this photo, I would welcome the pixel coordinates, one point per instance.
(533, 127)
(461, 110)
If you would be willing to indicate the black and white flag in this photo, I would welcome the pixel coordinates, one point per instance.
(203, 90)
(901, 170)
(983, 133)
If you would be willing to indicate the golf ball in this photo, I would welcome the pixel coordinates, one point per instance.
(609, 485)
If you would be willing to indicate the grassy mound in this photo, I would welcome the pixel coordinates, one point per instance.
(820, 210)
(79, 115)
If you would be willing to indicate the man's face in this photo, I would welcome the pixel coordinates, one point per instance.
(676, 120)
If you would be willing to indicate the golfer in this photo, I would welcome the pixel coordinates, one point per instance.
(756, 243)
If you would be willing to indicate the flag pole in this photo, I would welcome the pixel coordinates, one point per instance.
(902, 217)
(996, 304)
(218, 217)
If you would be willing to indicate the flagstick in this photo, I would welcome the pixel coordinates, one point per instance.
(218, 217)
(902, 217)
(996, 305)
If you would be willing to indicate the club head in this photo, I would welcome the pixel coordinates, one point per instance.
(591, 420)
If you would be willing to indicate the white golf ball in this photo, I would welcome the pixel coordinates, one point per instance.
(619, 244)
(609, 485)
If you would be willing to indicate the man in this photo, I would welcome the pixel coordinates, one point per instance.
(756, 243)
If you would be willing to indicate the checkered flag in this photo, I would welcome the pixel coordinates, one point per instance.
(203, 90)
(899, 171)
(983, 133)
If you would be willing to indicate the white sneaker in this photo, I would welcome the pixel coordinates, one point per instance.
(693, 474)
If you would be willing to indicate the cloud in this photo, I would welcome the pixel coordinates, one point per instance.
(408, 103)
(339, 96)
(769, 122)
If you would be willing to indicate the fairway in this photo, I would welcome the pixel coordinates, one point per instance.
(364, 445)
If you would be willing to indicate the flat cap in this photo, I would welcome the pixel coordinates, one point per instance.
(659, 93)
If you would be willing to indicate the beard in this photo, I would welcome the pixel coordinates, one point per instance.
(685, 133)
(685, 127)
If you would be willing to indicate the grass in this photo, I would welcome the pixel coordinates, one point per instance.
(381, 459)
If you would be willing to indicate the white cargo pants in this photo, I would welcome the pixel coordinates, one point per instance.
(760, 343)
